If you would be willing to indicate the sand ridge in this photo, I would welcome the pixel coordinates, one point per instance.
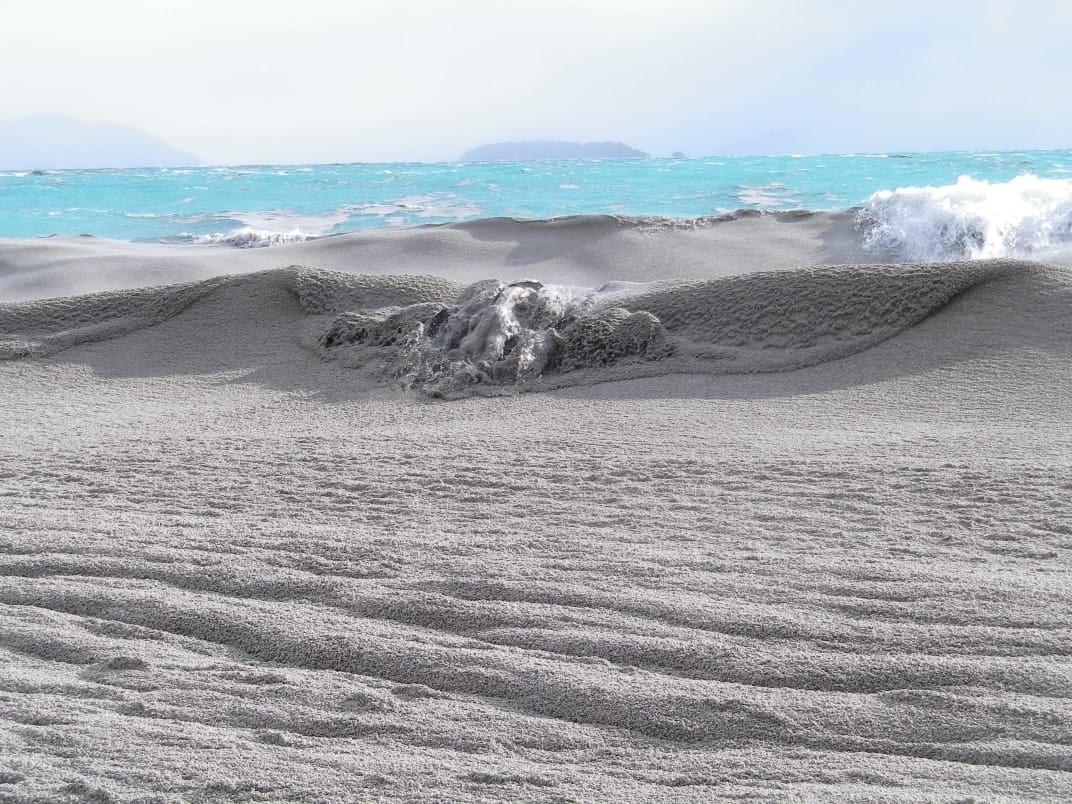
(437, 336)
(586, 250)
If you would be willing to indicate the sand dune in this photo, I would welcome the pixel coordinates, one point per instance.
(583, 250)
(824, 554)
(765, 321)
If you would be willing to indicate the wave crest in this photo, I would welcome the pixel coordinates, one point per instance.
(971, 219)
(248, 237)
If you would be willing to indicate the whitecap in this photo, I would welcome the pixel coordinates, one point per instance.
(768, 196)
(246, 237)
(971, 219)
(286, 221)
(263, 229)
(449, 211)
(377, 210)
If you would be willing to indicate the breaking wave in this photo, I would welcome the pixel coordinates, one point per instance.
(971, 219)
(248, 237)
(279, 227)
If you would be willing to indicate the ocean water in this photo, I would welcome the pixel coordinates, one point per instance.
(929, 205)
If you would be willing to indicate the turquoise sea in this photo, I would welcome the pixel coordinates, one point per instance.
(254, 205)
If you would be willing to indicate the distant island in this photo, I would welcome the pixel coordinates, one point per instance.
(51, 142)
(531, 151)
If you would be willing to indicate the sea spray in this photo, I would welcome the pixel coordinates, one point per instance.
(246, 237)
(971, 219)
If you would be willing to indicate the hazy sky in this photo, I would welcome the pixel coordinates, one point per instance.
(236, 81)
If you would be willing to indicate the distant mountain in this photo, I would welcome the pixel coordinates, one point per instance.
(50, 142)
(529, 151)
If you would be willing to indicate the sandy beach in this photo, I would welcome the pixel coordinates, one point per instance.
(806, 536)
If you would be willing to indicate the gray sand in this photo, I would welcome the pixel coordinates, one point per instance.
(819, 552)
(581, 250)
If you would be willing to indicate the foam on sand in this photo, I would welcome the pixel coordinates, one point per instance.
(497, 335)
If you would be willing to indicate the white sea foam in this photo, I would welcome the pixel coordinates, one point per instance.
(769, 196)
(272, 228)
(248, 237)
(450, 212)
(283, 220)
(432, 205)
(973, 219)
(377, 210)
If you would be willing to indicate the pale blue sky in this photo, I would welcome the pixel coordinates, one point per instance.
(382, 80)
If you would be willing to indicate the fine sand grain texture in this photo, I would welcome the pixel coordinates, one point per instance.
(817, 550)
(581, 250)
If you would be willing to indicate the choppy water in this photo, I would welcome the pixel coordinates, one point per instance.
(265, 205)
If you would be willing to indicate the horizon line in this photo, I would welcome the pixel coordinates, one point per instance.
(791, 155)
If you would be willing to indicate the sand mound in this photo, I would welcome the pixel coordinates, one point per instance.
(585, 250)
(789, 319)
(322, 292)
(435, 336)
(527, 335)
(37, 328)
(42, 327)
